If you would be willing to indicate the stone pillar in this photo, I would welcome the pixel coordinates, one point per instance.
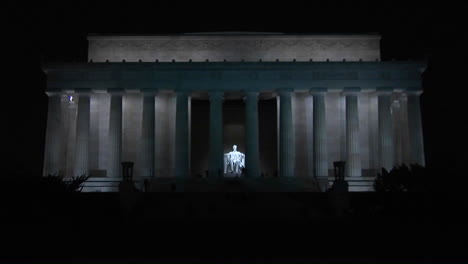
(286, 147)
(319, 134)
(353, 153)
(148, 135)
(52, 164)
(82, 136)
(386, 148)
(415, 128)
(252, 154)
(115, 135)
(182, 136)
(216, 159)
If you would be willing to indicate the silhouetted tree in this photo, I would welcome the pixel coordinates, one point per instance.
(403, 179)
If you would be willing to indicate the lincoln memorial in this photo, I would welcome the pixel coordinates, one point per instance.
(266, 107)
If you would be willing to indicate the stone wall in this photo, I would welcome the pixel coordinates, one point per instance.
(234, 48)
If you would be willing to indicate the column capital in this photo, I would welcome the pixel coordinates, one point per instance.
(413, 91)
(182, 93)
(251, 92)
(99, 90)
(351, 90)
(417, 93)
(149, 92)
(82, 95)
(216, 95)
(318, 90)
(284, 91)
(116, 91)
(53, 93)
(83, 91)
(384, 90)
(251, 95)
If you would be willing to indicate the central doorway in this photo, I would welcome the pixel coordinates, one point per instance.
(233, 133)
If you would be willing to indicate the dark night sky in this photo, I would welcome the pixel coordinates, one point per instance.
(56, 31)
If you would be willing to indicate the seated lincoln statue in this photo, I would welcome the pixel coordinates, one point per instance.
(234, 161)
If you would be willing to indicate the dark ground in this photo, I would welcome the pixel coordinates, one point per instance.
(233, 227)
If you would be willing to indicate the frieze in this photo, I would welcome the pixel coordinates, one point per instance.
(95, 75)
(253, 75)
(216, 75)
(285, 75)
(231, 75)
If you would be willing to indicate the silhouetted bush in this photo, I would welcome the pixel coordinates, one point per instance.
(403, 179)
(50, 183)
(55, 183)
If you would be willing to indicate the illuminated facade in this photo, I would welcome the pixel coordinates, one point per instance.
(334, 99)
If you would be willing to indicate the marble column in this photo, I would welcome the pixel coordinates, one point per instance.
(148, 135)
(252, 155)
(415, 128)
(182, 136)
(286, 147)
(319, 134)
(82, 136)
(385, 128)
(353, 153)
(52, 164)
(115, 135)
(216, 159)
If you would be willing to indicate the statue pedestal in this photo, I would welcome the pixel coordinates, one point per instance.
(339, 197)
(127, 186)
(232, 174)
(340, 186)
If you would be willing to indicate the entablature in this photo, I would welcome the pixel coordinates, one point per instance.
(232, 75)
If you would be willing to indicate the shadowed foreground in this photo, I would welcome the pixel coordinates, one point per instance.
(221, 227)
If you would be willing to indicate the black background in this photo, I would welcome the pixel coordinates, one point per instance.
(433, 31)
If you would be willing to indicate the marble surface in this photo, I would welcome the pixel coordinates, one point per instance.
(234, 47)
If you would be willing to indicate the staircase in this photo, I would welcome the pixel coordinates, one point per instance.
(101, 184)
(357, 184)
(170, 184)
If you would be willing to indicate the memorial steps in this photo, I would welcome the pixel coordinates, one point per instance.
(228, 184)
(358, 184)
(101, 184)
